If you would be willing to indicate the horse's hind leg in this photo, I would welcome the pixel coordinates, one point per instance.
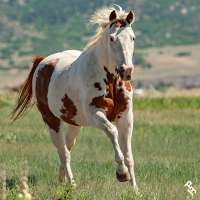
(58, 140)
(72, 132)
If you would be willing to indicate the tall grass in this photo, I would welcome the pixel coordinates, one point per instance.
(165, 146)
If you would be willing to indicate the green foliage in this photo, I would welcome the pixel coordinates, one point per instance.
(139, 60)
(162, 86)
(64, 192)
(24, 53)
(6, 53)
(8, 137)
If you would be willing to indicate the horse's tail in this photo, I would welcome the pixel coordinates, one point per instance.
(25, 93)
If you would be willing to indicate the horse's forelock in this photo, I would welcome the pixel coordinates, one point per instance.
(101, 17)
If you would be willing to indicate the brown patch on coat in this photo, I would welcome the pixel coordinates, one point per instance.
(114, 101)
(98, 86)
(109, 82)
(68, 111)
(119, 23)
(42, 85)
(127, 85)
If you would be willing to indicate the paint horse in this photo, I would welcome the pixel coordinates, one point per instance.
(89, 88)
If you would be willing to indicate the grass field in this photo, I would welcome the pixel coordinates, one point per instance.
(165, 144)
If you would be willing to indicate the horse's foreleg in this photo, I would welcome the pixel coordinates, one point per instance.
(58, 140)
(99, 120)
(125, 128)
(70, 138)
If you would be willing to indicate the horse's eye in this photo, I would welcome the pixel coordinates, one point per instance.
(133, 38)
(111, 39)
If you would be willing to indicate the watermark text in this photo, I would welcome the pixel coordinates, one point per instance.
(190, 188)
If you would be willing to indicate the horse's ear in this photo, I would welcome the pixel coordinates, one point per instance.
(130, 17)
(113, 15)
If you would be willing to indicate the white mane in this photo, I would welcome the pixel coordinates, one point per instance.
(101, 17)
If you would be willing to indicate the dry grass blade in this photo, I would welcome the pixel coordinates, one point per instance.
(23, 181)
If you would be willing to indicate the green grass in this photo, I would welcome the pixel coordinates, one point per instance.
(167, 103)
(165, 146)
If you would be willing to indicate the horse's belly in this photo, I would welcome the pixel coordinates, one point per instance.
(72, 111)
(80, 119)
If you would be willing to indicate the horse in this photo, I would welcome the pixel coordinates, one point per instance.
(89, 88)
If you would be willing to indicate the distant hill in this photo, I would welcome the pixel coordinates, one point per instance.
(48, 26)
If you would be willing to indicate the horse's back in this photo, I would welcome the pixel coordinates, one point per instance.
(53, 64)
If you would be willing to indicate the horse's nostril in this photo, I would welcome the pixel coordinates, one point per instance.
(128, 77)
(122, 69)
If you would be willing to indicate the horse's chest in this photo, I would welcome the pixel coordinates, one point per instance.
(114, 102)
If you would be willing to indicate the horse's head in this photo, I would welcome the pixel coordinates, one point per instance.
(121, 44)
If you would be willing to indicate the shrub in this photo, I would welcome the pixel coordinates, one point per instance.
(183, 53)
(64, 192)
(139, 60)
(8, 137)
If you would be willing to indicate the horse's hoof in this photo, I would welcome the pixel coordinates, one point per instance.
(122, 177)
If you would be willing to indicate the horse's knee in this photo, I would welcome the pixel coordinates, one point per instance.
(119, 158)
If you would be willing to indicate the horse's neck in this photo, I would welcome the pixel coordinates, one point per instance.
(99, 53)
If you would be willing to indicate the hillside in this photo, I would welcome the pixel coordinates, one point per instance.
(45, 27)
(171, 65)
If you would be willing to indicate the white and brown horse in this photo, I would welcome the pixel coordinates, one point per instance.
(89, 88)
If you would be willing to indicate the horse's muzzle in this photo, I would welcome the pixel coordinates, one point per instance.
(126, 73)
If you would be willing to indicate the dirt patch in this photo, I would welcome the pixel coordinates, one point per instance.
(12, 78)
(172, 60)
(14, 71)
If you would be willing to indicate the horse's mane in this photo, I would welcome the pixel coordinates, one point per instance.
(101, 17)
